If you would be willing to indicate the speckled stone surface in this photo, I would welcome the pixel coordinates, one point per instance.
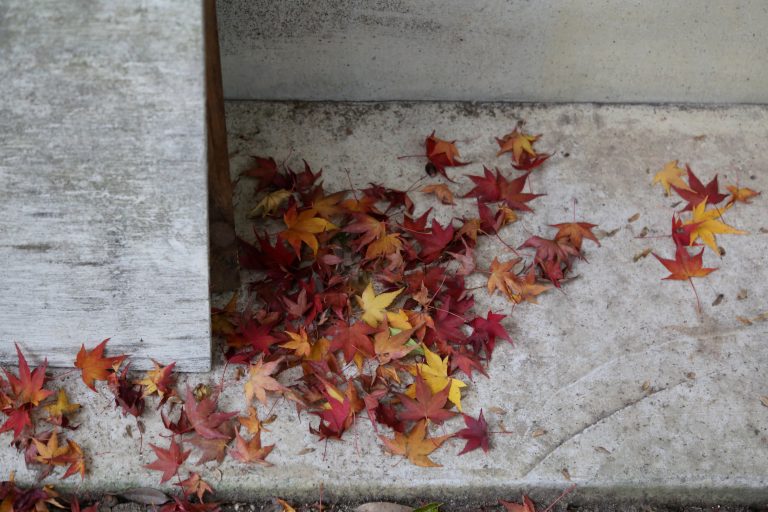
(490, 50)
(103, 225)
(638, 397)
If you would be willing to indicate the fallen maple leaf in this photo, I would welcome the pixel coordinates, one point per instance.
(252, 423)
(426, 405)
(670, 175)
(741, 194)
(251, 451)
(435, 373)
(416, 446)
(374, 306)
(707, 225)
(493, 188)
(50, 452)
(390, 344)
(270, 203)
(684, 267)
(194, 485)
(475, 433)
(442, 153)
(76, 460)
(95, 366)
(299, 343)
(61, 407)
(696, 192)
(259, 381)
(159, 380)
(517, 143)
(575, 232)
(526, 288)
(204, 418)
(168, 460)
(441, 191)
(302, 227)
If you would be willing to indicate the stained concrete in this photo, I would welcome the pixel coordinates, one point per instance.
(103, 220)
(639, 397)
(512, 50)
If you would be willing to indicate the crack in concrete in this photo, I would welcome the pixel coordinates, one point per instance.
(541, 458)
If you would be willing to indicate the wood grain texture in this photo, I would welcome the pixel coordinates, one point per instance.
(225, 274)
(103, 224)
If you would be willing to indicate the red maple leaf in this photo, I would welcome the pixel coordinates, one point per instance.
(441, 154)
(476, 433)
(26, 392)
(434, 242)
(494, 188)
(335, 419)
(351, 338)
(699, 192)
(204, 417)
(426, 405)
(168, 461)
(529, 163)
(486, 330)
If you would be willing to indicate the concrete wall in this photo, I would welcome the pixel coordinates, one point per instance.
(534, 50)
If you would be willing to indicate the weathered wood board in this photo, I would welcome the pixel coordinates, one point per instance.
(103, 216)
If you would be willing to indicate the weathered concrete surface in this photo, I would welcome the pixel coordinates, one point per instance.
(696, 433)
(511, 50)
(103, 227)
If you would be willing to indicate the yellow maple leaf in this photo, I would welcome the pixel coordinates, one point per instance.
(741, 194)
(670, 175)
(299, 343)
(270, 203)
(384, 246)
(398, 320)
(708, 225)
(61, 406)
(517, 142)
(50, 453)
(302, 227)
(374, 306)
(435, 374)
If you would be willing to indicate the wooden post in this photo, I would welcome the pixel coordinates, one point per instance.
(225, 275)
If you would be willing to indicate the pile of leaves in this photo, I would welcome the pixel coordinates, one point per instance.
(699, 220)
(364, 307)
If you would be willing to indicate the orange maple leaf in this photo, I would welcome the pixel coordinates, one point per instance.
(95, 366)
(302, 227)
(441, 191)
(684, 267)
(517, 143)
(501, 276)
(575, 232)
(259, 381)
(251, 451)
(416, 446)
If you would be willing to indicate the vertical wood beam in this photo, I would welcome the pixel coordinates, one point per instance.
(225, 275)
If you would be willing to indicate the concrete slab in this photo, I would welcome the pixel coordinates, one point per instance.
(103, 225)
(639, 397)
(495, 50)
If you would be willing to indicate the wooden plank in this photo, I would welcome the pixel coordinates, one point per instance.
(225, 273)
(103, 228)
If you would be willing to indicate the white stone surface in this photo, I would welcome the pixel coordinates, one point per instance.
(488, 50)
(581, 356)
(103, 226)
